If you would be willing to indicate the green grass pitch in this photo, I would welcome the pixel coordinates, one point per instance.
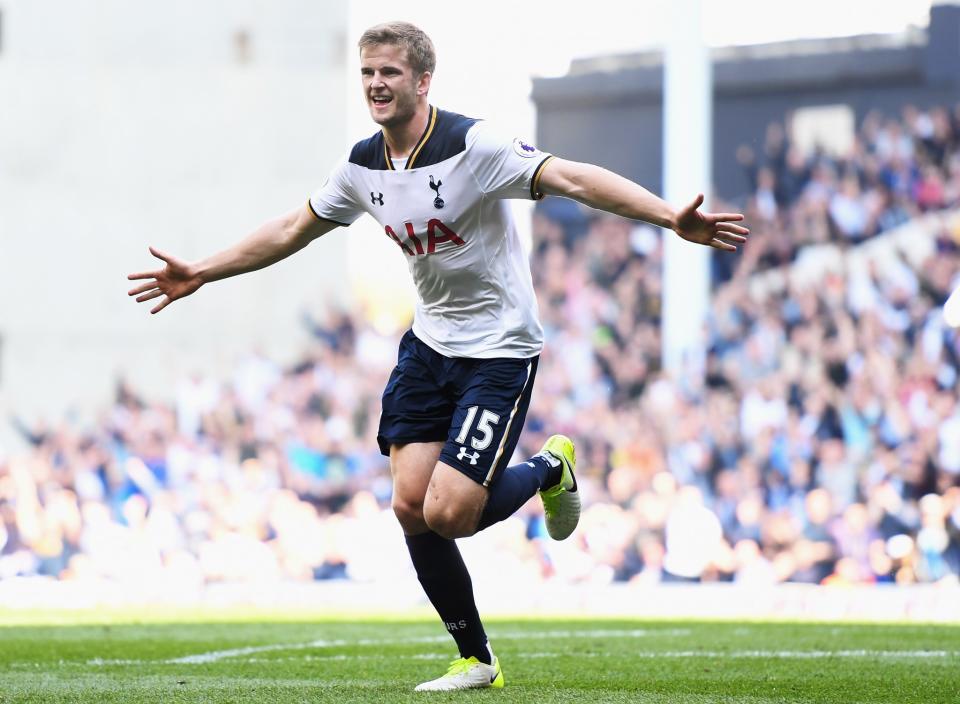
(283, 659)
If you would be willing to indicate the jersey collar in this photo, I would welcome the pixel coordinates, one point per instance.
(431, 123)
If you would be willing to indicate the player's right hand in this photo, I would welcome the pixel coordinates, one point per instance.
(176, 280)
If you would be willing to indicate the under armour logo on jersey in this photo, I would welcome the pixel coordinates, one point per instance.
(438, 201)
(463, 454)
(376, 199)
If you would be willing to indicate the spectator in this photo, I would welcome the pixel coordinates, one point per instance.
(823, 445)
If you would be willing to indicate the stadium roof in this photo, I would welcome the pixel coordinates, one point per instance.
(913, 37)
(917, 56)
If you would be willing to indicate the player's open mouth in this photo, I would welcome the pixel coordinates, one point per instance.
(380, 99)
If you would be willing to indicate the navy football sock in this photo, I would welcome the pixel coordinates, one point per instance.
(514, 487)
(445, 579)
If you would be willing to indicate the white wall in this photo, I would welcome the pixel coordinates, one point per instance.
(124, 124)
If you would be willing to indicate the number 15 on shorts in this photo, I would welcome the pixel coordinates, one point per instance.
(484, 428)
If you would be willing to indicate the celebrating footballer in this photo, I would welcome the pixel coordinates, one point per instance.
(453, 409)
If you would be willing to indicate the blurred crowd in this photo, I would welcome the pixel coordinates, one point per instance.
(896, 167)
(821, 443)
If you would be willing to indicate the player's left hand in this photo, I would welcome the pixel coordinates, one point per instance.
(711, 229)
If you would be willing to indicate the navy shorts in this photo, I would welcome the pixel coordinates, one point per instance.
(476, 406)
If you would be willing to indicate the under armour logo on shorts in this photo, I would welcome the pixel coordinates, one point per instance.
(463, 454)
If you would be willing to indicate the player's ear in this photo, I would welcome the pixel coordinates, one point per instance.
(423, 83)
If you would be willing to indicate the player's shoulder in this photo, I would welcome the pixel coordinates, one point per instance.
(446, 136)
(486, 139)
(369, 153)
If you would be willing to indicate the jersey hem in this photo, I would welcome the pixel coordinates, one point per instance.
(487, 353)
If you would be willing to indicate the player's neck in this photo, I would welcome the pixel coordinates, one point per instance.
(401, 139)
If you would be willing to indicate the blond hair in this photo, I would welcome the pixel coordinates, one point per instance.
(420, 53)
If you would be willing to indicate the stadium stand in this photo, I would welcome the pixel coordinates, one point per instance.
(823, 445)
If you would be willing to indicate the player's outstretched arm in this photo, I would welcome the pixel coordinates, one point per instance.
(268, 244)
(605, 190)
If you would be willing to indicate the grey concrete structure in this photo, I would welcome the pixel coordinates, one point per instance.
(609, 110)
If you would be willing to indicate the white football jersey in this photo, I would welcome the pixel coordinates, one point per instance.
(444, 208)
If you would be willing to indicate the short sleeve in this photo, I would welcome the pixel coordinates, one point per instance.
(504, 168)
(335, 199)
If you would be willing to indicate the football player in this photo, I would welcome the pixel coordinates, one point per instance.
(454, 405)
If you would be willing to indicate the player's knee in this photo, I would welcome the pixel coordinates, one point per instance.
(409, 514)
(448, 522)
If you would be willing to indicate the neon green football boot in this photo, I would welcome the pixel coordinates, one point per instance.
(561, 503)
(466, 673)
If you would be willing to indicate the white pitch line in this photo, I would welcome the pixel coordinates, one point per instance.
(765, 654)
(217, 655)
(813, 654)
(343, 656)
(214, 656)
(595, 633)
(651, 655)
(646, 655)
